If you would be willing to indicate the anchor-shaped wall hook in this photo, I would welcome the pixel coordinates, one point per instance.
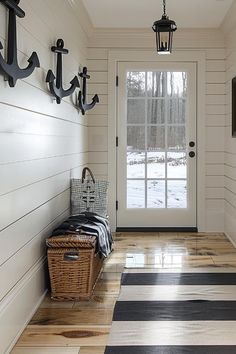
(83, 105)
(57, 89)
(10, 68)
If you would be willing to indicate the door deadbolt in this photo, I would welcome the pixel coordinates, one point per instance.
(192, 144)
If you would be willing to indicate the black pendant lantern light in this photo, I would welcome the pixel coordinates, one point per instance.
(164, 29)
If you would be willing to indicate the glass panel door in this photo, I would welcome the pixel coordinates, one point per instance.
(156, 139)
(156, 121)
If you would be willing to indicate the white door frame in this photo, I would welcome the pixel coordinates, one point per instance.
(197, 57)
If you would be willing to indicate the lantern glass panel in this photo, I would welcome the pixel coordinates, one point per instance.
(164, 42)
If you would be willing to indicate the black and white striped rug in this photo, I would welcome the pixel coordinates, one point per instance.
(169, 312)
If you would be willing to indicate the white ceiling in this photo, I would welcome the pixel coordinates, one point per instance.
(142, 13)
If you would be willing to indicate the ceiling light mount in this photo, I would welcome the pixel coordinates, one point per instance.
(164, 29)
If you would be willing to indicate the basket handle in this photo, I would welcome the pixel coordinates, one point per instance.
(84, 174)
(71, 256)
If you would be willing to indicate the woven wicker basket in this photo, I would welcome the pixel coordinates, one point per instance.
(73, 266)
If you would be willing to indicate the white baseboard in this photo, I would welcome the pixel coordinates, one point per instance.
(231, 240)
(19, 305)
(13, 343)
(214, 220)
(230, 228)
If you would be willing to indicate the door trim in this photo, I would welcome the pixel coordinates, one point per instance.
(151, 216)
(197, 57)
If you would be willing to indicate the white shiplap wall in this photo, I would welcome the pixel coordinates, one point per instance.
(42, 145)
(209, 41)
(229, 28)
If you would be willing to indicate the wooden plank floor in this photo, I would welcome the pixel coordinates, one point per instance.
(83, 327)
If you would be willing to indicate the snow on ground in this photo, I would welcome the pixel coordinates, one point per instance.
(156, 168)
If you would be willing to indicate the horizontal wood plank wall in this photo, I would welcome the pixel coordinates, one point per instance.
(229, 28)
(213, 44)
(42, 145)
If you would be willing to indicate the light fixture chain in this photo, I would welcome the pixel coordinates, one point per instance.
(164, 6)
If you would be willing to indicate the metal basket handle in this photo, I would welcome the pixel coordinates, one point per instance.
(84, 174)
(71, 256)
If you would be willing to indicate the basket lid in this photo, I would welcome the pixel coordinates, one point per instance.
(77, 241)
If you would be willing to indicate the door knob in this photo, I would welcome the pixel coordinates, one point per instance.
(192, 154)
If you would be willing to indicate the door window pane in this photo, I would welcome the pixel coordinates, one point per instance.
(156, 111)
(135, 194)
(135, 138)
(176, 165)
(177, 84)
(176, 138)
(135, 164)
(176, 111)
(156, 84)
(156, 194)
(155, 138)
(136, 84)
(136, 111)
(156, 164)
(177, 194)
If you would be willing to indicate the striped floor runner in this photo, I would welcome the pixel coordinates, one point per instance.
(169, 312)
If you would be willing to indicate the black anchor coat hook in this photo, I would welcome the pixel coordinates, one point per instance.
(56, 88)
(83, 105)
(10, 68)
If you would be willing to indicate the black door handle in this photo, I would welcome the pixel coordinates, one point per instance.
(192, 154)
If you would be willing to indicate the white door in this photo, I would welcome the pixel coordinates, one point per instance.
(156, 152)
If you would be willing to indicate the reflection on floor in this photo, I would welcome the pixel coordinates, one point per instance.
(72, 327)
